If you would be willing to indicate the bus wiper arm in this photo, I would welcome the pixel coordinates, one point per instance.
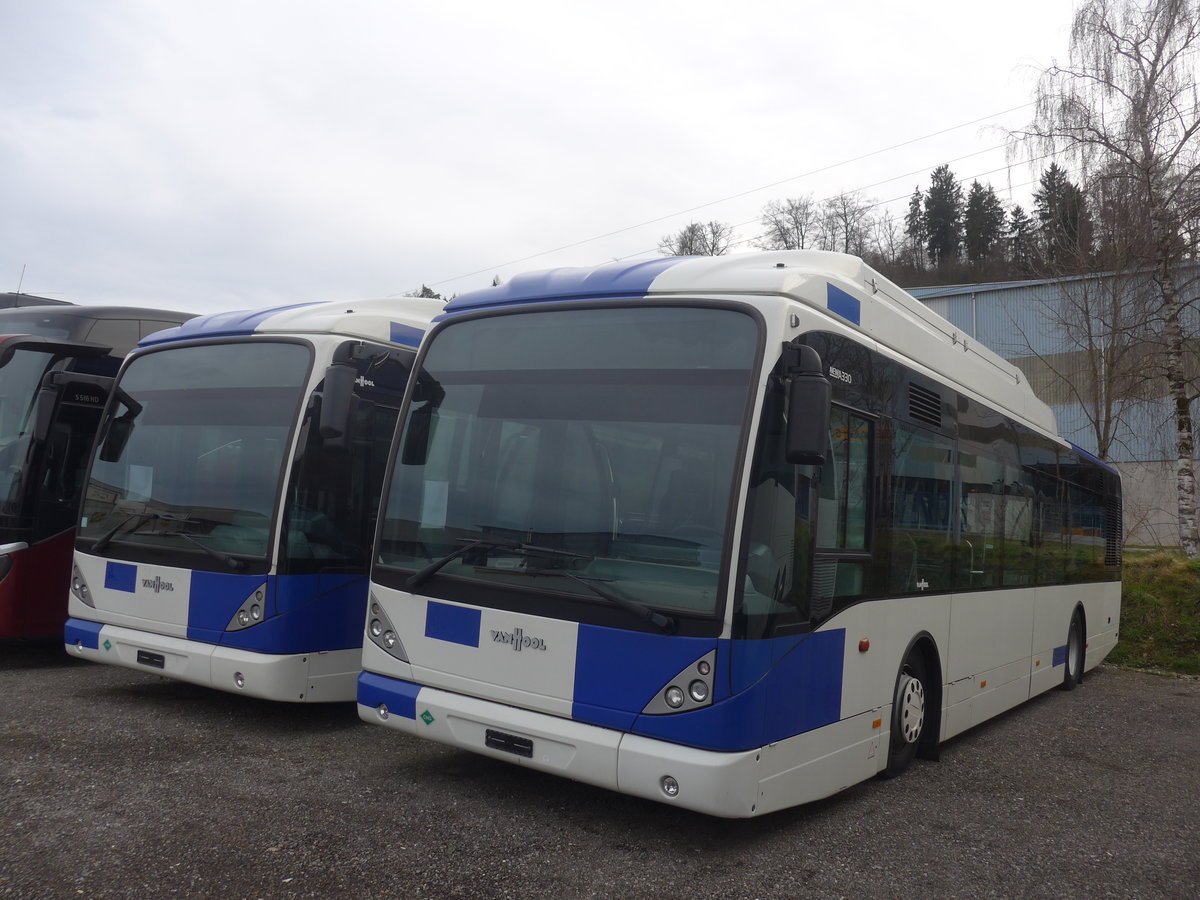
(531, 551)
(663, 623)
(135, 518)
(416, 579)
(232, 561)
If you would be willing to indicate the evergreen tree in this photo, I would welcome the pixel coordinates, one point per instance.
(983, 222)
(1066, 227)
(914, 228)
(1022, 237)
(943, 217)
(426, 293)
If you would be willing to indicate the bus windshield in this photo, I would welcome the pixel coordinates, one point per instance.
(206, 430)
(19, 380)
(585, 452)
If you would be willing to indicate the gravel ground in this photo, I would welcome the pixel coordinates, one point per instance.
(118, 784)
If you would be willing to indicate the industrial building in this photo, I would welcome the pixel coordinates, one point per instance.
(1091, 347)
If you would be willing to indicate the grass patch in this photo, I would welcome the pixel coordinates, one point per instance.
(1160, 613)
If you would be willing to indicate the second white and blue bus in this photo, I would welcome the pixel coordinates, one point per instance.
(229, 508)
(727, 533)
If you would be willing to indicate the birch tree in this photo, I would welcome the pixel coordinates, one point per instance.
(1127, 102)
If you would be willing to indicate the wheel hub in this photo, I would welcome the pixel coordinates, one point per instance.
(910, 717)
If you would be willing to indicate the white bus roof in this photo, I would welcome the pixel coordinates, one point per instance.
(401, 320)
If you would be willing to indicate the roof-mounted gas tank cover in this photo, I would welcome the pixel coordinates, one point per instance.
(809, 396)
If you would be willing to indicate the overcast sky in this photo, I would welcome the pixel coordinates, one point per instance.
(220, 154)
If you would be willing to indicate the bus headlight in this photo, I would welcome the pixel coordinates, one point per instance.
(699, 693)
(251, 612)
(383, 634)
(79, 587)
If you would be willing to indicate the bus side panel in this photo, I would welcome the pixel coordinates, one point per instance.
(989, 658)
(1101, 605)
(889, 628)
(33, 593)
(303, 612)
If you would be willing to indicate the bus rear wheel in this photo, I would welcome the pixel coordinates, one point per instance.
(1074, 663)
(908, 714)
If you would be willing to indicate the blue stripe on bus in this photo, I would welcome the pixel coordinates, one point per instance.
(303, 613)
(120, 577)
(1060, 656)
(83, 632)
(456, 624)
(406, 335)
(618, 672)
(223, 324)
(618, 279)
(400, 697)
(845, 305)
(799, 689)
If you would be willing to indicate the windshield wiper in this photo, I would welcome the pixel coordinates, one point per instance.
(663, 623)
(530, 551)
(136, 518)
(232, 561)
(419, 577)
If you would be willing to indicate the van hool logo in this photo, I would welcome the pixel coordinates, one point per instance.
(156, 584)
(518, 640)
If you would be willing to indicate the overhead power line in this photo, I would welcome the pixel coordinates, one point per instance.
(740, 194)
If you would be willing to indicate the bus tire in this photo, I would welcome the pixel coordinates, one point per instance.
(1073, 667)
(909, 714)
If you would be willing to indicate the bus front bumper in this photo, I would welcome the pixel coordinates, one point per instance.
(719, 784)
(327, 676)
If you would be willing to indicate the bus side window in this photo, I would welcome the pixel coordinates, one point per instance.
(919, 527)
(843, 512)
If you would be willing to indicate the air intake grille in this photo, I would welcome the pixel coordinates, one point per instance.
(924, 405)
(1113, 527)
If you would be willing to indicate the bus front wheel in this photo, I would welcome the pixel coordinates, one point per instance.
(1074, 663)
(908, 714)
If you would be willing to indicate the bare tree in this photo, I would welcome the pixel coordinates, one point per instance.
(698, 239)
(1127, 103)
(887, 243)
(845, 223)
(1097, 360)
(790, 224)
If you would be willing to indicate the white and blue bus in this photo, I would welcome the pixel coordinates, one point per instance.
(728, 533)
(226, 523)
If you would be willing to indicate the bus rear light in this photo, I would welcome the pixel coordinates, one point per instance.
(675, 699)
(383, 634)
(251, 612)
(79, 587)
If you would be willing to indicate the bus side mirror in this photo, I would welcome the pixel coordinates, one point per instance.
(119, 428)
(115, 438)
(415, 450)
(336, 401)
(809, 396)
